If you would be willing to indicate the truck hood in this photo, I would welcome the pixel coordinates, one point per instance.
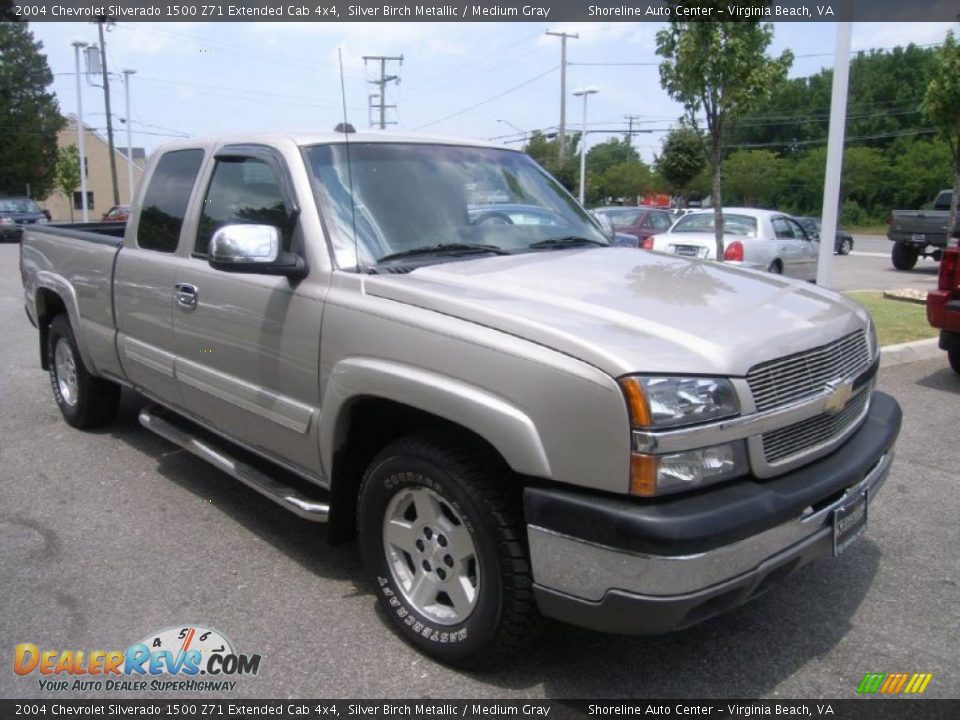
(625, 310)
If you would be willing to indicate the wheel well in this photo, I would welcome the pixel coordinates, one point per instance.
(48, 306)
(369, 425)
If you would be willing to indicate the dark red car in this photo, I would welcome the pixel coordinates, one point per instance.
(640, 222)
(943, 305)
(118, 213)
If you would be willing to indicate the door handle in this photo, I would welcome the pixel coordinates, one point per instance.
(186, 295)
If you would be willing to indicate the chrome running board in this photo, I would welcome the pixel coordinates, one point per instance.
(286, 497)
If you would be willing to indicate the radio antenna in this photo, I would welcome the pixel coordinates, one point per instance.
(347, 129)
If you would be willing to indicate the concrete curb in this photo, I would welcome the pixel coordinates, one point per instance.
(907, 352)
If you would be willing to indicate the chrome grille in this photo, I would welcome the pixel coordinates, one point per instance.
(795, 377)
(784, 442)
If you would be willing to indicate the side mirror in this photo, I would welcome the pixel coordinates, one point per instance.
(813, 235)
(253, 249)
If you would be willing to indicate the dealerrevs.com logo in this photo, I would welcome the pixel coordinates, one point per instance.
(178, 659)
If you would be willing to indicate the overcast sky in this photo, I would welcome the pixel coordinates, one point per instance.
(457, 79)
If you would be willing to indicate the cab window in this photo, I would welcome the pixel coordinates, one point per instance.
(166, 199)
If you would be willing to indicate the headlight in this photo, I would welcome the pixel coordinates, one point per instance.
(664, 402)
(6, 221)
(661, 474)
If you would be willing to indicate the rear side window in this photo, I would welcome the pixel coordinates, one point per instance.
(166, 199)
(242, 191)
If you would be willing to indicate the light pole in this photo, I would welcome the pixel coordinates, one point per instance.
(519, 130)
(126, 86)
(584, 92)
(77, 44)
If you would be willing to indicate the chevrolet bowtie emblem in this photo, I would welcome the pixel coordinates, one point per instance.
(838, 394)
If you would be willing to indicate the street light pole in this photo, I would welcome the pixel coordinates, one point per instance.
(584, 92)
(77, 44)
(106, 99)
(126, 86)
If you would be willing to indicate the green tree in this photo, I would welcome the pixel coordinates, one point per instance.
(941, 106)
(623, 180)
(754, 178)
(68, 173)
(613, 151)
(719, 69)
(543, 148)
(681, 159)
(29, 115)
(919, 166)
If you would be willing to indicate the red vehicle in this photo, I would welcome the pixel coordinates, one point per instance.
(640, 222)
(943, 305)
(118, 213)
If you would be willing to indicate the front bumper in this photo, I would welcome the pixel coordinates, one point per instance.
(618, 565)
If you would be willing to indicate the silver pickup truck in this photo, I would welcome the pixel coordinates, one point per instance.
(430, 346)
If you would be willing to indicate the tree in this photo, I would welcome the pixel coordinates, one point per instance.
(941, 107)
(29, 115)
(68, 173)
(543, 149)
(614, 151)
(626, 179)
(719, 69)
(755, 178)
(681, 160)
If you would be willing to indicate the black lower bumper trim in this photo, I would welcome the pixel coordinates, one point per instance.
(718, 516)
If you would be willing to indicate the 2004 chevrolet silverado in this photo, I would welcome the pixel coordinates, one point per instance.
(513, 418)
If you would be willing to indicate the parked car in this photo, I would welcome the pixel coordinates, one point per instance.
(17, 213)
(514, 420)
(638, 222)
(118, 213)
(763, 239)
(843, 243)
(920, 233)
(943, 305)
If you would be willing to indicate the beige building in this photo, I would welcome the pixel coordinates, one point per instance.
(99, 186)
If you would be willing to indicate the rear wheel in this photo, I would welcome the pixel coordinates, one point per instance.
(85, 401)
(903, 256)
(775, 267)
(953, 355)
(846, 245)
(443, 546)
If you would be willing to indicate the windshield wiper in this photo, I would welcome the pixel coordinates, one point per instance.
(566, 242)
(443, 249)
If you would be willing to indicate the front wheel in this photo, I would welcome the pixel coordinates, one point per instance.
(443, 546)
(903, 256)
(846, 245)
(775, 267)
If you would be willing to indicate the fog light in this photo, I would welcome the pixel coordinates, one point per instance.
(660, 474)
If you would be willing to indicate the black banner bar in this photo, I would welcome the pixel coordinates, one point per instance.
(549, 11)
(191, 709)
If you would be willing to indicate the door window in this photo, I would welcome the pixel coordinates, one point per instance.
(242, 191)
(795, 227)
(782, 229)
(165, 202)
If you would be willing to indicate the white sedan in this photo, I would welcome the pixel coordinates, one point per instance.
(763, 239)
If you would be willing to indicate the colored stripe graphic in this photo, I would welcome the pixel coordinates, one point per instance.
(894, 683)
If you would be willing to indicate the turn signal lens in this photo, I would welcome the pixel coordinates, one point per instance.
(662, 474)
(636, 402)
(643, 475)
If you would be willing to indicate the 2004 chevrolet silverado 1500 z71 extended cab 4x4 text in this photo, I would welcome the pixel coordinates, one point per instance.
(512, 417)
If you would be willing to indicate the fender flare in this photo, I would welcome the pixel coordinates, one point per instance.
(57, 284)
(501, 423)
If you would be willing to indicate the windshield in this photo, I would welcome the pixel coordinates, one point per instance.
(742, 225)
(18, 205)
(411, 196)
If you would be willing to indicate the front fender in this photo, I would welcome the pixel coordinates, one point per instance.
(505, 426)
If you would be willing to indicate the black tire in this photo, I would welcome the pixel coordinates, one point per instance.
(953, 355)
(775, 267)
(846, 245)
(903, 256)
(93, 401)
(475, 487)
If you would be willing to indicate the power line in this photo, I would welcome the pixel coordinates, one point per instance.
(490, 99)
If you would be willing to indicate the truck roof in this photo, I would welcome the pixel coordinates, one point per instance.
(304, 138)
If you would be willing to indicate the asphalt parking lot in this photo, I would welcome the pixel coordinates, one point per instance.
(109, 536)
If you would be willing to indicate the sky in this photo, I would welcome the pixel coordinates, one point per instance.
(472, 80)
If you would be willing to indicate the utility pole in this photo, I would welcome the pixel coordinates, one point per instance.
(630, 119)
(562, 142)
(382, 84)
(101, 20)
(126, 86)
(81, 132)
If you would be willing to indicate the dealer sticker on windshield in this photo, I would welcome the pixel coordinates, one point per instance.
(849, 523)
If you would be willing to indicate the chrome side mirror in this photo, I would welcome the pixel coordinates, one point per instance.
(245, 244)
(253, 249)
